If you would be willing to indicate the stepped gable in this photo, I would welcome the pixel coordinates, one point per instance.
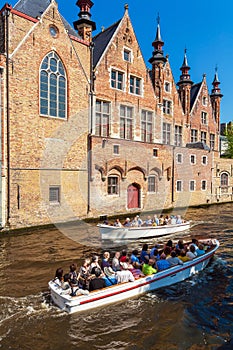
(102, 40)
(194, 92)
(35, 8)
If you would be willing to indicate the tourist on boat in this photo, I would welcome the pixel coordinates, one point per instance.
(148, 221)
(162, 264)
(167, 251)
(110, 276)
(124, 275)
(73, 274)
(134, 222)
(72, 289)
(105, 261)
(127, 222)
(94, 264)
(116, 262)
(117, 223)
(97, 282)
(174, 260)
(154, 253)
(194, 243)
(155, 221)
(140, 222)
(58, 279)
(191, 253)
(179, 220)
(123, 256)
(167, 220)
(173, 220)
(148, 269)
(134, 258)
(84, 274)
(180, 244)
(161, 220)
(182, 255)
(200, 250)
(145, 254)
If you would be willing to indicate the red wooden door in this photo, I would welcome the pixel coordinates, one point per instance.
(133, 197)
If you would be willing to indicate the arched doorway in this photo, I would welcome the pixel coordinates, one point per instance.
(133, 196)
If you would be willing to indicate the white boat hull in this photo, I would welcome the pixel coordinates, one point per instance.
(113, 233)
(123, 291)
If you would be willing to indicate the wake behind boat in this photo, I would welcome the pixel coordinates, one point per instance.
(113, 233)
(121, 291)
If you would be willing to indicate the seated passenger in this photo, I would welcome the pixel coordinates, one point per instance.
(154, 254)
(116, 262)
(180, 244)
(155, 221)
(117, 223)
(191, 253)
(161, 220)
(123, 256)
(58, 279)
(134, 258)
(200, 250)
(148, 268)
(105, 261)
(94, 264)
(73, 274)
(195, 243)
(127, 222)
(144, 256)
(173, 220)
(162, 264)
(148, 221)
(182, 256)
(72, 289)
(84, 274)
(174, 260)
(110, 276)
(179, 220)
(139, 220)
(124, 275)
(97, 282)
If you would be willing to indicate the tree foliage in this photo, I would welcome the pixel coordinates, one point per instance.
(229, 138)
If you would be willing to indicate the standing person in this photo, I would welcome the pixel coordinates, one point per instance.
(84, 274)
(139, 220)
(97, 282)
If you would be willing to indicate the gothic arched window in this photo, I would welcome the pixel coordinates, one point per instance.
(224, 180)
(53, 87)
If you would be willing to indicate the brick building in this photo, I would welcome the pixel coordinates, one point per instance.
(88, 129)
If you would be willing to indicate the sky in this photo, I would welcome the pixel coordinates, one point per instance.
(203, 27)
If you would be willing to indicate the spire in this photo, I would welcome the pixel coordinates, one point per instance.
(158, 43)
(216, 91)
(185, 76)
(84, 25)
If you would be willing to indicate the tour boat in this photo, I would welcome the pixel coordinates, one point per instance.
(113, 233)
(119, 292)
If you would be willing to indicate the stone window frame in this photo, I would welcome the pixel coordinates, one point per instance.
(192, 185)
(206, 160)
(115, 83)
(54, 194)
(204, 101)
(167, 106)
(155, 152)
(53, 87)
(204, 118)
(203, 136)
(135, 85)
(212, 141)
(178, 135)
(167, 86)
(205, 187)
(194, 157)
(166, 133)
(147, 125)
(102, 114)
(128, 51)
(152, 186)
(177, 158)
(116, 149)
(179, 186)
(126, 132)
(113, 188)
(194, 135)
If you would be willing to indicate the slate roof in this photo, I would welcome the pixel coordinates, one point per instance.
(35, 8)
(101, 41)
(194, 91)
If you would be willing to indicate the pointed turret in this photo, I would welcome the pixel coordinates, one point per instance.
(185, 84)
(157, 60)
(216, 97)
(157, 55)
(84, 25)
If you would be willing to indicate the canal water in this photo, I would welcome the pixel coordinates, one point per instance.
(194, 314)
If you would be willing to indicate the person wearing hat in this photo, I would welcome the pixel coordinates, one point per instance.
(110, 276)
(127, 222)
(124, 275)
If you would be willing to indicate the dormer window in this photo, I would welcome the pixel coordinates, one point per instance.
(167, 87)
(204, 101)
